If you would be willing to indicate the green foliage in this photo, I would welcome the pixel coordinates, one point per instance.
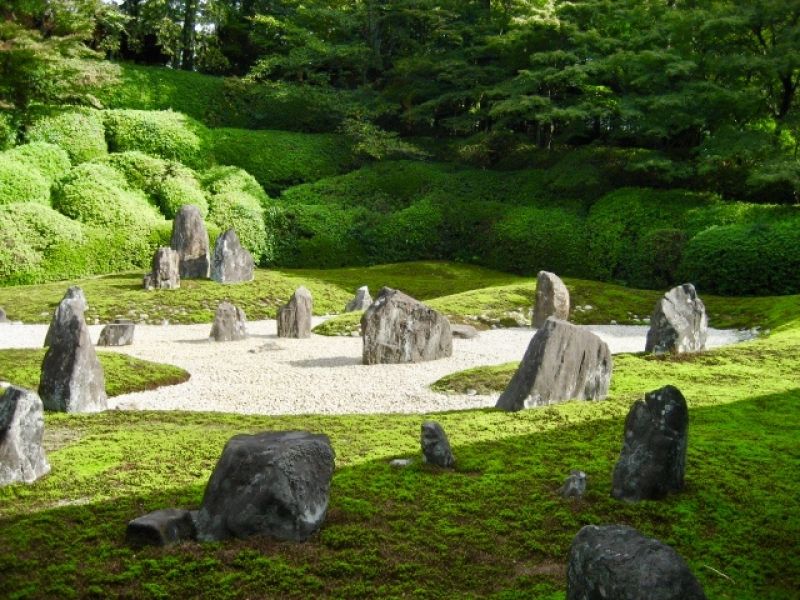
(50, 160)
(242, 212)
(166, 134)
(178, 189)
(221, 179)
(20, 182)
(79, 132)
(141, 171)
(8, 130)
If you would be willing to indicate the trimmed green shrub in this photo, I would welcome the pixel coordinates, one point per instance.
(413, 233)
(80, 132)
(50, 160)
(141, 171)
(222, 179)
(174, 191)
(20, 182)
(166, 134)
(8, 130)
(747, 258)
(243, 213)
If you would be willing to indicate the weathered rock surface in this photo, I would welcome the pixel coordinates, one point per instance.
(229, 323)
(3, 317)
(271, 483)
(552, 299)
(618, 562)
(562, 362)
(360, 301)
(435, 445)
(190, 241)
(574, 485)
(22, 457)
(72, 378)
(465, 332)
(232, 263)
(118, 333)
(73, 293)
(653, 458)
(396, 328)
(294, 317)
(679, 322)
(160, 528)
(166, 271)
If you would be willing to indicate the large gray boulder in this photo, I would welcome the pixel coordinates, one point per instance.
(653, 458)
(229, 323)
(396, 328)
(435, 445)
(360, 301)
(232, 263)
(552, 299)
(22, 457)
(294, 318)
(118, 333)
(562, 362)
(72, 378)
(190, 241)
(73, 293)
(679, 322)
(271, 483)
(160, 528)
(619, 563)
(166, 271)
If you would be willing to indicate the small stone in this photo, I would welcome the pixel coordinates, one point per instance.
(401, 462)
(118, 333)
(361, 301)
(574, 485)
(160, 528)
(435, 446)
(3, 318)
(472, 392)
(552, 299)
(229, 323)
(464, 332)
(166, 271)
(294, 317)
(613, 322)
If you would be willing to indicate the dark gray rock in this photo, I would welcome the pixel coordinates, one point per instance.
(72, 378)
(294, 318)
(165, 274)
(190, 241)
(271, 483)
(574, 485)
(22, 456)
(653, 458)
(678, 323)
(3, 317)
(562, 362)
(229, 323)
(232, 263)
(396, 328)
(160, 528)
(619, 563)
(118, 333)
(73, 293)
(465, 332)
(552, 299)
(361, 301)
(435, 446)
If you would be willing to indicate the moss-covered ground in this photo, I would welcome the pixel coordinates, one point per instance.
(493, 527)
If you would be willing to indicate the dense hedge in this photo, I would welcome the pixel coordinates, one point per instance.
(244, 213)
(50, 160)
(21, 183)
(80, 132)
(222, 179)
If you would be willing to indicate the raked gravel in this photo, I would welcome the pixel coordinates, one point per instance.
(264, 374)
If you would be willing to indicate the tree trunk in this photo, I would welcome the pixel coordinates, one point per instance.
(188, 37)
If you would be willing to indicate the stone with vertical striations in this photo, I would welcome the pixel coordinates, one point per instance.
(653, 458)
(3, 317)
(562, 362)
(230, 323)
(294, 318)
(231, 263)
(360, 301)
(552, 299)
(166, 271)
(74, 293)
(22, 457)
(396, 328)
(679, 322)
(271, 483)
(190, 241)
(118, 333)
(435, 445)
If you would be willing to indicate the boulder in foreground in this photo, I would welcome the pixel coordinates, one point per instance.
(22, 457)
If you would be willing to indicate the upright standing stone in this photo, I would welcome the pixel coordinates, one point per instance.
(360, 301)
(294, 318)
(232, 263)
(618, 562)
(679, 322)
(190, 240)
(229, 323)
(574, 485)
(435, 445)
(72, 378)
(3, 318)
(73, 293)
(552, 299)
(166, 271)
(271, 483)
(562, 362)
(653, 458)
(399, 329)
(22, 456)
(118, 333)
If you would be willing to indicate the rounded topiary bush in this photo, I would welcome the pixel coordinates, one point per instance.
(243, 213)
(20, 182)
(41, 226)
(166, 134)
(141, 171)
(174, 191)
(79, 132)
(50, 160)
(413, 233)
(222, 179)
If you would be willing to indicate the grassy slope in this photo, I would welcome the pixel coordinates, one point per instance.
(124, 374)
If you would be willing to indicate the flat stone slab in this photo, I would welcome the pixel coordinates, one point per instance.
(464, 332)
(160, 528)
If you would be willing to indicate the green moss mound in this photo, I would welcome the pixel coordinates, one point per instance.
(80, 133)
(222, 179)
(19, 182)
(242, 212)
(50, 160)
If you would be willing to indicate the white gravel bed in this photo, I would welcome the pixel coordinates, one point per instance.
(265, 374)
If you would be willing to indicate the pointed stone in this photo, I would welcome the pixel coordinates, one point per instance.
(190, 241)
(166, 271)
(552, 299)
(74, 293)
(679, 322)
(232, 263)
(294, 318)
(22, 457)
(360, 301)
(229, 323)
(435, 445)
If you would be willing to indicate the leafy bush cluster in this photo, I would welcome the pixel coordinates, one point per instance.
(80, 132)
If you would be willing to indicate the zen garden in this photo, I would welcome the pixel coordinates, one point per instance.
(400, 299)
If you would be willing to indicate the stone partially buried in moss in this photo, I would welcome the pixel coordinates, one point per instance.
(160, 528)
